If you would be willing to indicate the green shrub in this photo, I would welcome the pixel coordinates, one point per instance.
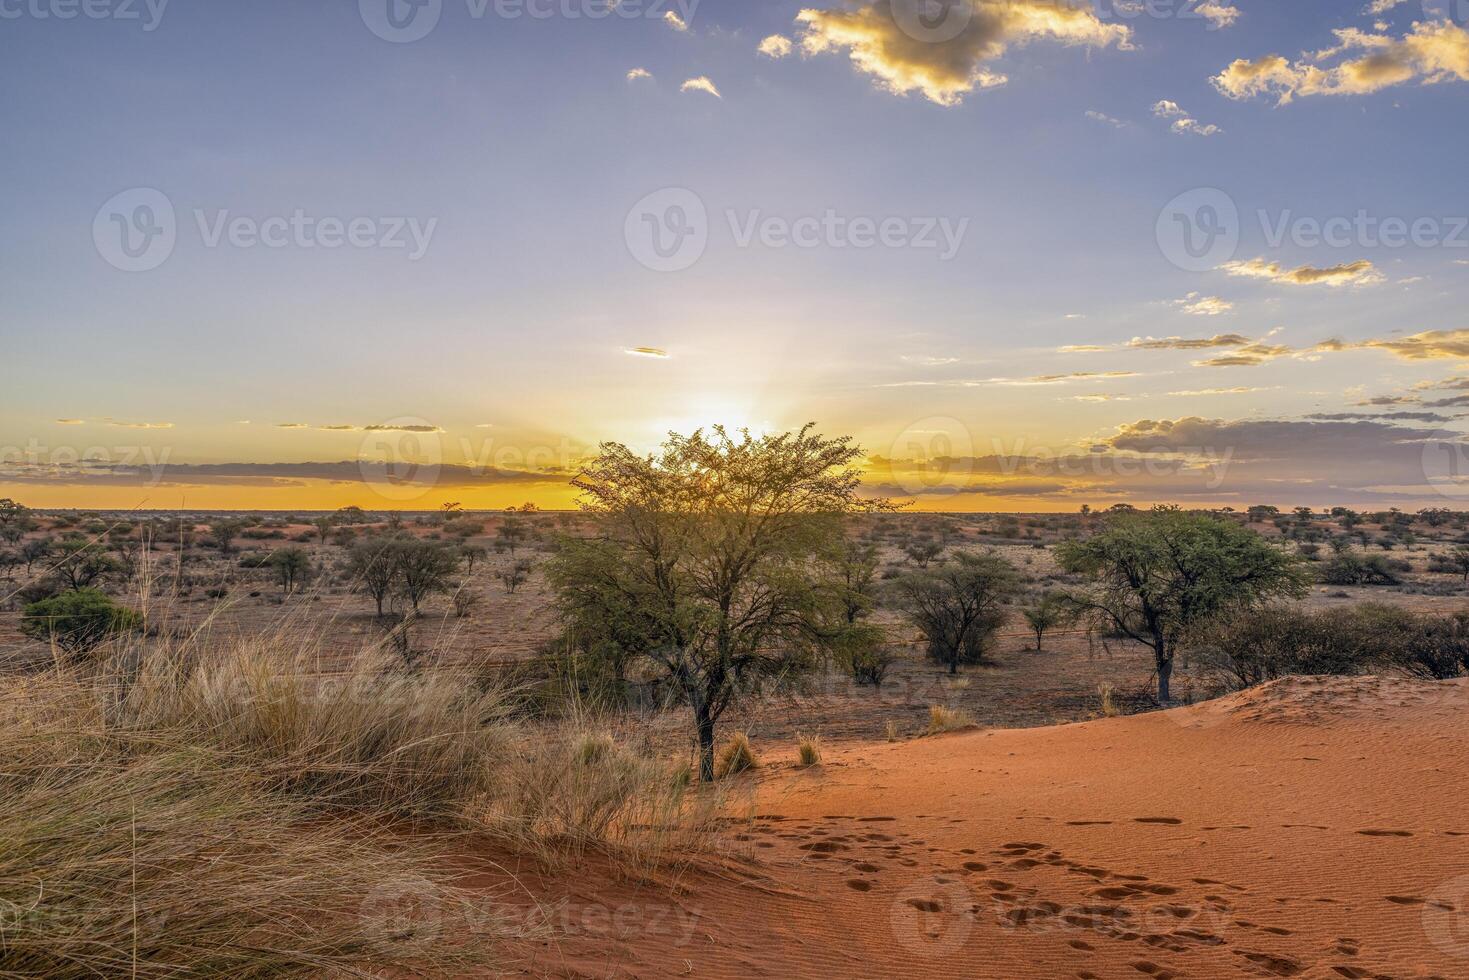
(77, 621)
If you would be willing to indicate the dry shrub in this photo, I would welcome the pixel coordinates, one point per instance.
(1109, 707)
(808, 751)
(736, 757)
(571, 790)
(942, 719)
(891, 730)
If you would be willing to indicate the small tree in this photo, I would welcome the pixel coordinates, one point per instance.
(223, 534)
(1051, 611)
(292, 566)
(1161, 573)
(424, 567)
(34, 550)
(372, 566)
(324, 527)
(957, 605)
(511, 532)
(514, 576)
(82, 563)
(77, 621)
(1458, 559)
(471, 553)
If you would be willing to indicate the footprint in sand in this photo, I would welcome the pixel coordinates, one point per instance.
(1167, 820)
(1088, 823)
(1275, 966)
(1386, 833)
(859, 884)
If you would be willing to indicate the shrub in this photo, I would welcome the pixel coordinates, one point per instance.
(808, 751)
(736, 757)
(77, 622)
(942, 719)
(1353, 569)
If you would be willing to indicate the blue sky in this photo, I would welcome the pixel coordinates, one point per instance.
(517, 146)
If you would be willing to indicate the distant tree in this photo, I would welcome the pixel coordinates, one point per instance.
(9, 561)
(351, 514)
(373, 567)
(515, 575)
(1051, 611)
(923, 552)
(81, 563)
(15, 519)
(1161, 573)
(223, 533)
(324, 526)
(292, 566)
(511, 532)
(424, 567)
(958, 606)
(471, 553)
(34, 550)
(1458, 559)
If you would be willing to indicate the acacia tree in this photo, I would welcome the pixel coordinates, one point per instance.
(372, 565)
(1159, 574)
(957, 605)
(706, 566)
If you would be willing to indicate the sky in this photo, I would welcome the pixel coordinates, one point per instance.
(1029, 255)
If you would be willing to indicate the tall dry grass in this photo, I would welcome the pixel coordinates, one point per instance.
(201, 805)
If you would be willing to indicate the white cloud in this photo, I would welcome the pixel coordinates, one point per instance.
(775, 46)
(1102, 117)
(636, 73)
(700, 84)
(1182, 122)
(1197, 305)
(674, 21)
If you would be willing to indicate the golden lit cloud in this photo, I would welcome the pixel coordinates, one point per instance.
(941, 48)
(700, 84)
(1358, 273)
(1188, 343)
(1431, 52)
(645, 351)
(1196, 305)
(775, 46)
(674, 21)
(1426, 346)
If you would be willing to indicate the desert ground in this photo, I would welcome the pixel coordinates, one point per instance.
(1067, 826)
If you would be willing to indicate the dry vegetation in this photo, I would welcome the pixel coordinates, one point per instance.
(220, 780)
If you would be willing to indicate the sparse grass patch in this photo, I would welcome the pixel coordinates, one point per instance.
(736, 757)
(808, 751)
(1109, 707)
(942, 719)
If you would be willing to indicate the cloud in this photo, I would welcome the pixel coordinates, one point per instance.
(1358, 273)
(1102, 117)
(274, 474)
(1182, 122)
(71, 421)
(292, 425)
(1196, 305)
(1189, 343)
(1431, 52)
(700, 84)
(1040, 379)
(1198, 392)
(1218, 13)
(775, 46)
(1379, 7)
(1271, 439)
(1430, 345)
(116, 423)
(645, 351)
(927, 360)
(1251, 355)
(674, 21)
(940, 48)
(1393, 416)
(636, 73)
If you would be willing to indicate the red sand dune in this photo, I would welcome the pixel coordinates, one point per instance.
(1313, 827)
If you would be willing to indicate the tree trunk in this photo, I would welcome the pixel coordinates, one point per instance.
(705, 724)
(1165, 671)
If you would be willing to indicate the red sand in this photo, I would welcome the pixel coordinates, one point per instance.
(1313, 827)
